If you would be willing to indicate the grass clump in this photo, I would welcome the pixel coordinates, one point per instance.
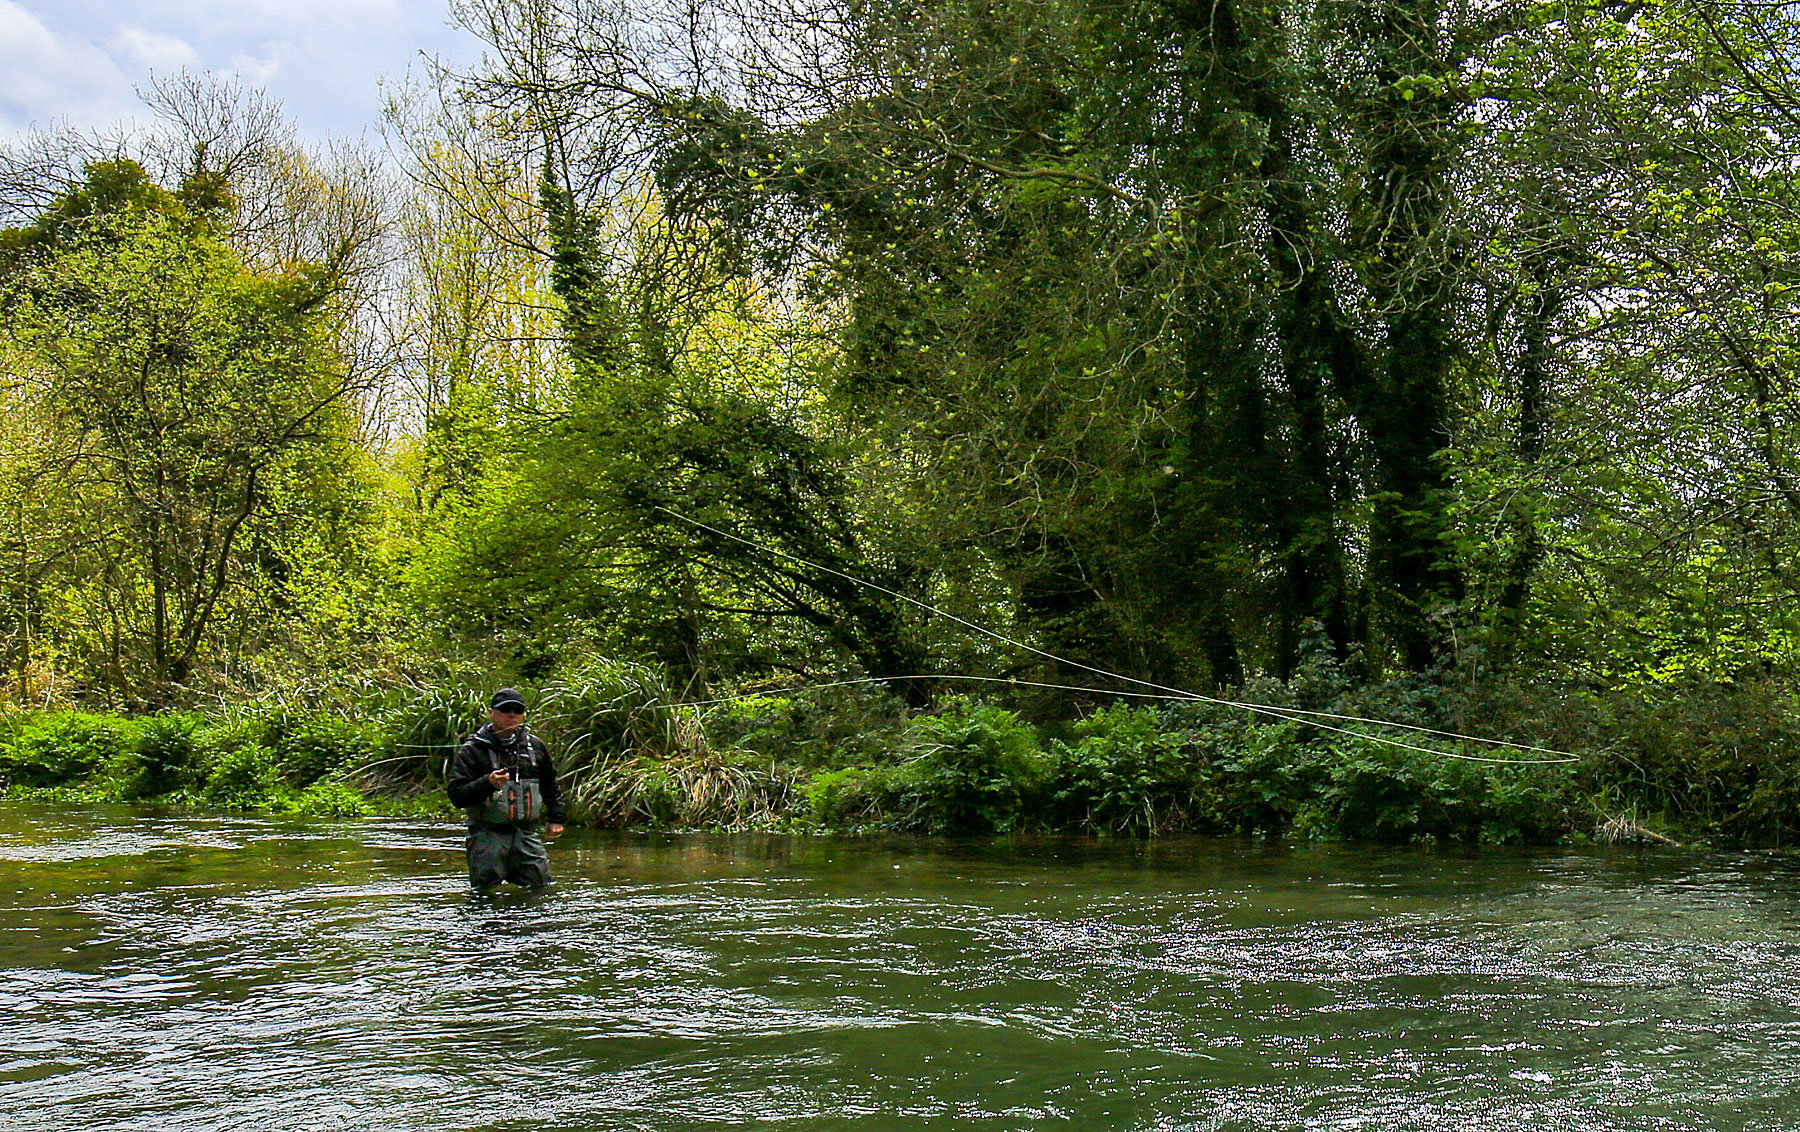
(694, 791)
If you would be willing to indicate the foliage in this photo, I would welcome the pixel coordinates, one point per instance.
(624, 747)
(1715, 763)
(1411, 362)
(1257, 773)
(1378, 793)
(1194, 335)
(972, 768)
(171, 755)
(422, 724)
(176, 393)
(853, 798)
(1718, 759)
(684, 792)
(611, 709)
(1125, 774)
(58, 748)
(811, 728)
(322, 745)
(245, 777)
(329, 800)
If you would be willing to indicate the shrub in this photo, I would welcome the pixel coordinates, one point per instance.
(244, 778)
(330, 799)
(171, 756)
(1261, 774)
(977, 770)
(610, 709)
(324, 743)
(854, 797)
(1529, 804)
(1720, 759)
(58, 748)
(624, 748)
(1124, 774)
(1374, 792)
(1377, 792)
(825, 728)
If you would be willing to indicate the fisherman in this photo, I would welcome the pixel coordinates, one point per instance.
(502, 776)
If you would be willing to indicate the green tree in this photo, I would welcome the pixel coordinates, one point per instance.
(188, 385)
(1625, 449)
(1182, 275)
(1442, 333)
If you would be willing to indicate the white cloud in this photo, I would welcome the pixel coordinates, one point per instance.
(153, 50)
(46, 77)
(256, 71)
(79, 60)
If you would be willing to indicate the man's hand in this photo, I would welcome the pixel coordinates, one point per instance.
(499, 778)
(552, 830)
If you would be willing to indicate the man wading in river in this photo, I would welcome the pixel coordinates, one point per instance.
(502, 776)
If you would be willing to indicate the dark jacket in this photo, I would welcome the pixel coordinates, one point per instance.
(525, 755)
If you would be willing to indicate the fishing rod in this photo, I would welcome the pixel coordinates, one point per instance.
(1161, 691)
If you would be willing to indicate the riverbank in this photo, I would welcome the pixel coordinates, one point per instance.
(975, 769)
(1720, 765)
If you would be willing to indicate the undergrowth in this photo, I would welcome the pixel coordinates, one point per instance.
(1717, 763)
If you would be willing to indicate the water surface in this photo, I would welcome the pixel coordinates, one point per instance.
(203, 973)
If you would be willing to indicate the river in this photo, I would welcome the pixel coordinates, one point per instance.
(163, 971)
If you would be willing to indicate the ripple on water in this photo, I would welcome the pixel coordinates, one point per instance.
(339, 978)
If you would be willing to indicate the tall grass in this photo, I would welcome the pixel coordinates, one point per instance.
(686, 792)
(628, 753)
(421, 725)
(608, 710)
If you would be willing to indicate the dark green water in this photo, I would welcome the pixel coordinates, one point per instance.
(160, 973)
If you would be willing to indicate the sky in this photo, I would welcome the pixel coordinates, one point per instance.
(77, 62)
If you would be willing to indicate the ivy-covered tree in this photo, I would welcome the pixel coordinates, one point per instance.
(1220, 333)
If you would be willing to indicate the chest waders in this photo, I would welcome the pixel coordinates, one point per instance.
(519, 802)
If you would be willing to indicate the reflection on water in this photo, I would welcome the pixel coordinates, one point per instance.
(162, 972)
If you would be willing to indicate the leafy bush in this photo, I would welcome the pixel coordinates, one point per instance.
(813, 727)
(977, 771)
(1376, 792)
(1718, 759)
(244, 778)
(58, 748)
(1260, 774)
(855, 797)
(171, 756)
(626, 750)
(1529, 804)
(320, 744)
(1124, 774)
(330, 799)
